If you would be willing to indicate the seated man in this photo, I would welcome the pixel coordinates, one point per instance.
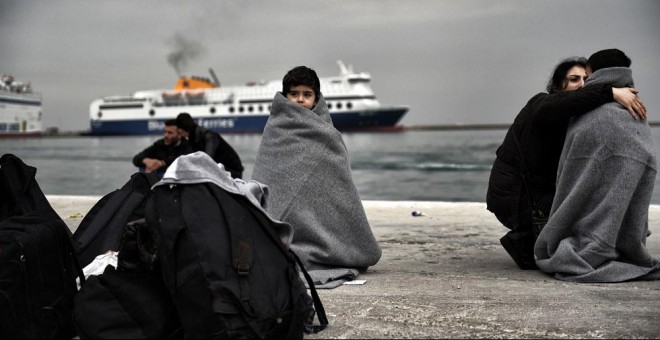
(209, 141)
(598, 224)
(163, 152)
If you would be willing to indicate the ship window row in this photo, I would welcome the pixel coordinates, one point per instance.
(250, 108)
(340, 105)
(12, 127)
(260, 108)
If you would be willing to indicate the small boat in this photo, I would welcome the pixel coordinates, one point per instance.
(20, 109)
(239, 109)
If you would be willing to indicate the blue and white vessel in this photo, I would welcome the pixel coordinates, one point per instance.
(20, 109)
(239, 109)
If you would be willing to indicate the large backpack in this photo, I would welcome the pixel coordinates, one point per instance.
(38, 264)
(228, 272)
(102, 228)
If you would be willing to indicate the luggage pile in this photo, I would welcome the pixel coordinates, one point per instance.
(193, 261)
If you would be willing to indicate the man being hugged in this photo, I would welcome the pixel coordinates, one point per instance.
(598, 224)
(209, 141)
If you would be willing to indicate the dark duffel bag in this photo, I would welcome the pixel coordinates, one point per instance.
(130, 302)
(126, 305)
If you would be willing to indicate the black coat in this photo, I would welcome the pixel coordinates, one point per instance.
(166, 153)
(540, 128)
(209, 141)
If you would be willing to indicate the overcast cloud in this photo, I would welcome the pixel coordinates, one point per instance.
(465, 61)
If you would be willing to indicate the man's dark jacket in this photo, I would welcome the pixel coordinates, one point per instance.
(209, 141)
(166, 153)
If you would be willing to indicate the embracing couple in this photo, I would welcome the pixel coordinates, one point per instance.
(574, 176)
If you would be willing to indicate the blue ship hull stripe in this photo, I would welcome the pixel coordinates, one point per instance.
(382, 119)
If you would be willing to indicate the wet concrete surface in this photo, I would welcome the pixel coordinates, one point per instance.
(445, 275)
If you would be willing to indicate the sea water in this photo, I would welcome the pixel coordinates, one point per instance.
(439, 165)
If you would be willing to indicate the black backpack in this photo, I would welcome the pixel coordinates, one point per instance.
(102, 228)
(38, 263)
(228, 273)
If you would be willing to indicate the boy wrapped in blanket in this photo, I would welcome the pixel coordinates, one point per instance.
(304, 162)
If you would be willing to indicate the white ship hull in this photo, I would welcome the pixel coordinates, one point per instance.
(20, 114)
(240, 109)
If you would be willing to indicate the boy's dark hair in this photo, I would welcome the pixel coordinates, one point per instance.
(170, 122)
(611, 57)
(301, 75)
(185, 122)
(558, 80)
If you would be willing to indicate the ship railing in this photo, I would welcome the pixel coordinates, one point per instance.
(27, 95)
(182, 99)
(123, 99)
(195, 98)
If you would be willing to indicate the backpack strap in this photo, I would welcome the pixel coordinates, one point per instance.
(318, 306)
(242, 246)
(242, 256)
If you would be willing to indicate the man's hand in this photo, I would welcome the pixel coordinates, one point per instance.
(152, 164)
(627, 97)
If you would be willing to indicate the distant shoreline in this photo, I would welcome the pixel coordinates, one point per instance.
(457, 127)
(54, 132)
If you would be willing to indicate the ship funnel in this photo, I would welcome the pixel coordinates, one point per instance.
(214, 77)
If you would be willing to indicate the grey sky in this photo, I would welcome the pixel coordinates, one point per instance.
(450, 61)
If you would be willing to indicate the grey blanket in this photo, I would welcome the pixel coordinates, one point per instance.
(599, 219)
(304, 162)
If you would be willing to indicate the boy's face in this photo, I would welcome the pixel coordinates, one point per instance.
(302, 95)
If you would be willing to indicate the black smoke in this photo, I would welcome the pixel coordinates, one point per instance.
(185, 50)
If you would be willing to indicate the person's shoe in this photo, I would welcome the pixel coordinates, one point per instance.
(520, 246)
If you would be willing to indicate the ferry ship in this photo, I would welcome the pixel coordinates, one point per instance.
(239, 109)
(20, 109)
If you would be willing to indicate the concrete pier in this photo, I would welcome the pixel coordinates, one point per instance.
(445, 275)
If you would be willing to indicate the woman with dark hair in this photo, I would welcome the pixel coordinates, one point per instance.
(523, 176)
